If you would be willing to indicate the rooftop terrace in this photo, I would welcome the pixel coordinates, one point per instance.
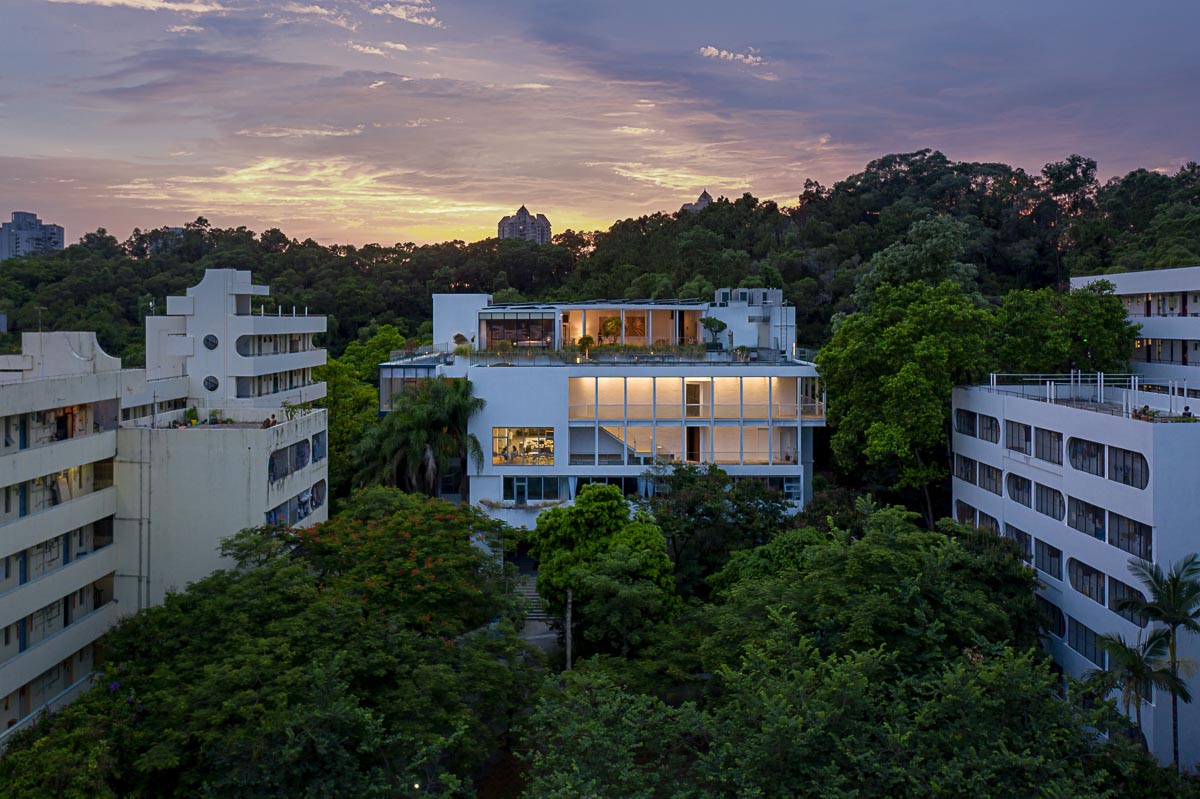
(1126, 395)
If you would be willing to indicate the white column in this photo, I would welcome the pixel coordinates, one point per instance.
(770, 421)
(622, 327)
(741, 423)
(625, 405)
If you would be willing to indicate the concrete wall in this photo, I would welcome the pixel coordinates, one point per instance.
(1169, 503)
(182, 491)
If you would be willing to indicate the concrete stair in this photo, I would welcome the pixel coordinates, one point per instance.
(526, 587)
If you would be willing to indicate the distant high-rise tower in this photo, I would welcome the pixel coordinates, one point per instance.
(26, 234)
(702, 202)
(524, 225)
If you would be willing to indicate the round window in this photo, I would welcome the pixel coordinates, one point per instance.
(211, 341)
(211, 383)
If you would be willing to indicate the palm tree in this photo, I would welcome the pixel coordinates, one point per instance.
(1174, 602)
(427, 432)
(1137, 670)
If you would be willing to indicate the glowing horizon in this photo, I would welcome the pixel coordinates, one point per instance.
(359, 121)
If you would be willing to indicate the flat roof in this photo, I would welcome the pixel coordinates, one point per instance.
(687, 302)
(1148, 281)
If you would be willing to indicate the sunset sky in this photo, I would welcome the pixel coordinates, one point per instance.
(355, 121)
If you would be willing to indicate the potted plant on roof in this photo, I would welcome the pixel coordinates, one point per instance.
(586, 343)
(610, 328)
(715, 327)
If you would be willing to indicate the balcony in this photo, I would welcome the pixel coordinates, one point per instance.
(277, 324)
(54, 585)
(52, 650)
(26, 531)
(268, 364)
(26, 464)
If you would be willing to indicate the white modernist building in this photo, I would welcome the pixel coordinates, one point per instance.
(111, 497)
(1074, 470)
(650, 393)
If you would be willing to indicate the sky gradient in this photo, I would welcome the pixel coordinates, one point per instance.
(354, 121)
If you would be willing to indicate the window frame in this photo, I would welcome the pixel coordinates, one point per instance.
(1023, 440)
(1129, 464)
(1045, 440)
(1024, 493)
(1084, 517)
(1040, 491)
(1043, 557)
(1140, 532)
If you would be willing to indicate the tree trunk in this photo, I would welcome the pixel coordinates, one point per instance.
(925, 491)
(1174, 706)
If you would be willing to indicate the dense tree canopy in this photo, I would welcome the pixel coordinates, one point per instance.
(1015, 229)
(356, 658)
(877, 661)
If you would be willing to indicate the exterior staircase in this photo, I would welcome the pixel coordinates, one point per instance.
(526, 587)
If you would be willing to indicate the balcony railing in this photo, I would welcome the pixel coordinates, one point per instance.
(721, 457)
(697, 411)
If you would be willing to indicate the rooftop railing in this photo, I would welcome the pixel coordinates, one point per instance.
(1127, 395)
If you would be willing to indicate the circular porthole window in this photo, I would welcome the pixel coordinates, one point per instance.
(211, 383)
(210, 341)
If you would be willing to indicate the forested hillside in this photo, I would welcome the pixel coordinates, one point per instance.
(1018, 230)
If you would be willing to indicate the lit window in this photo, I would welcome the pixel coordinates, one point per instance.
(523, 446)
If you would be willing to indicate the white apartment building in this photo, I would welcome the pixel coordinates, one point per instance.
(1166, 303)
(59, 406)
(26, 234)
(112, 497)
(1071, 468)
(650, 394)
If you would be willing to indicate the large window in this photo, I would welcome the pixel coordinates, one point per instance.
(1086, 456)
(1086, 580)
(1023, 539)
(965, 422)
(1129, 535)
(531, 489)
(1084, 641)
(990, 479)
(523, 446)
(964, 513)
(1117, 591)
(1128, 467)
(964, 468)
(989, 428)
(1017, 438)
(628, 485)
(1047, 559)
(1057, 622)
(1047, 445)
(1085, 517)
(1020, 489)
(518, 328)
(1049, 501)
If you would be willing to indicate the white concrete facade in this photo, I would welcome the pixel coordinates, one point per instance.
(557, 418)
(26, 234)
(1166, 303)
(1084, 486)
(59, 408)
(232, 353)
(111, 498)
